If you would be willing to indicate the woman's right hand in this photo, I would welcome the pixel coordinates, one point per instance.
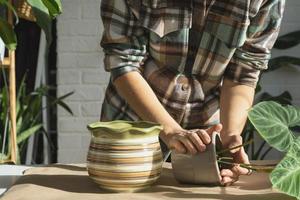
(188, 141)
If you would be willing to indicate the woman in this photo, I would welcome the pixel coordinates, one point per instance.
(190, 65)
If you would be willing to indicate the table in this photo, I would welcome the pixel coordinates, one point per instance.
(63, 182)
(9, 174)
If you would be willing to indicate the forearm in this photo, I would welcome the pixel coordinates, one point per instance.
(235, 101)
(141, 98)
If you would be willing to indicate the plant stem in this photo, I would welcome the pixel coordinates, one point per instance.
(236, 147)
(241, 165)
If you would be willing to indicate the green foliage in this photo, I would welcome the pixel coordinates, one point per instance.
(248, 134)
(288, 41)
(274, 123)
(257, 151)
(8, 35)
(44, 11)
(286, 176)
(29, 112)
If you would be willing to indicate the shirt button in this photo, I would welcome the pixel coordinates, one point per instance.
(185, 87)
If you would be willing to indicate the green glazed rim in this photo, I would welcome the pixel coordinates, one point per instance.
(121, 129)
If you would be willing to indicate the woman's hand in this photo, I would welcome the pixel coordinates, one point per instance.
(188, 141)
(229, 176)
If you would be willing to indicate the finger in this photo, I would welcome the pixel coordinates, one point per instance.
(228, 173)
(194, 137)
(241, 156)
(227, 181)
(240, 170)
(215, 128)
(204, 136)
(187, 143)
(174, 144)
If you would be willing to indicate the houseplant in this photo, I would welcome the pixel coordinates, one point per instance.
(29, 113)
(257, 150)
(275, 124)
(44, 11)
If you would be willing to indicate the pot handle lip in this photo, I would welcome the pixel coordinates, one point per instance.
(109, 125)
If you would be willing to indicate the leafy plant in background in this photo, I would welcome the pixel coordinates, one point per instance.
(275, 124)
(29, 113)
(284, 42)
(44, 11)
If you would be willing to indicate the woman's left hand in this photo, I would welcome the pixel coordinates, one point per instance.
(229, 176)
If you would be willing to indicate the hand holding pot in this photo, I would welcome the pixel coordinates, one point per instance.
(229, 176)
(188, 141)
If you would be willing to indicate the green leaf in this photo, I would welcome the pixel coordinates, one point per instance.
(3, 157)
(288, 41)
(27, 133)
(286, 176)
(54, 7)
(11, 7)
(282, 61)
(43, 18)
(8, 35)
(284, 98)
(273, 122)
(60, 102)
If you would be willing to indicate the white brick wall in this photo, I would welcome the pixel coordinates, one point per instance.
(80, 70)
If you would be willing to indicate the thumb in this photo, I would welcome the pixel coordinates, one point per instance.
(215, 128)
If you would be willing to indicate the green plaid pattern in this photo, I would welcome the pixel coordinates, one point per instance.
(184, 49)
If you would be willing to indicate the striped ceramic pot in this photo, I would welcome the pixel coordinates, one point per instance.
(124, 156)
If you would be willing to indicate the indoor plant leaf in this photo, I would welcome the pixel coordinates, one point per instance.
(286, 176)
(8, 35)
(25, 134)
(282, 61)
(54, 7)
(12, 8)
(273, 122)
(288, 41)
(43, 18)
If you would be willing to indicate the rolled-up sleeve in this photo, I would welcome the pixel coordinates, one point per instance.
(248, 60)
(124, 44)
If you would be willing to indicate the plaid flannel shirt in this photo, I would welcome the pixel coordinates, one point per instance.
(184, 49)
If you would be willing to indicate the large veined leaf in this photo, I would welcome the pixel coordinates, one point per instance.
(8, 35)
(273, 122)
(286, 176)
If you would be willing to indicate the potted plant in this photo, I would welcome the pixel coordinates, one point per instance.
(276, 124)
(44, 12)
(29, 112)
(258, 150)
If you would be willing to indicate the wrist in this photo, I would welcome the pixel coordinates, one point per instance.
(228, 136)
(169, 130)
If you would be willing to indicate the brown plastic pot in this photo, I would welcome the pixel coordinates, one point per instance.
(201, 168)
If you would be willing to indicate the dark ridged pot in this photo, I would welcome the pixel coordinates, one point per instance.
(124, 156)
